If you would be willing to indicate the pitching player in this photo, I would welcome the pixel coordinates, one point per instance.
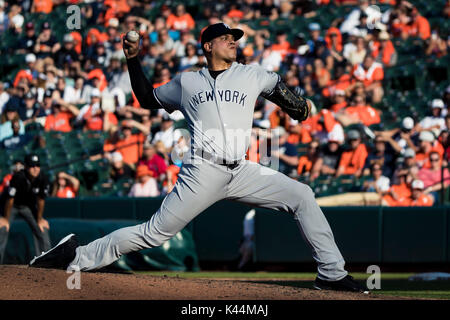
(217, 103)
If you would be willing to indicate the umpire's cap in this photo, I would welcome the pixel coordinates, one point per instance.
(218, 29)
(32, 160)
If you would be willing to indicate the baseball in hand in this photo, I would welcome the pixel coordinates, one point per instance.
(132, 36)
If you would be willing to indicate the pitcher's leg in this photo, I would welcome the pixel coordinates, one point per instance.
(185, 202)
(264, 187)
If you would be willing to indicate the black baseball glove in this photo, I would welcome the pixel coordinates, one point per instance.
(292, 103)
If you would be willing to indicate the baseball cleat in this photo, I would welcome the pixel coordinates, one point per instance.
(58, 257)
(345, 284)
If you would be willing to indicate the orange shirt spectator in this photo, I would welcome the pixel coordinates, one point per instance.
(425, 200)
(42, 6)
(304, 165)
(58, 122)
(387, 52)
(368, 76)
(5, 182)
(340, 84)
(402, 195)
(131, 146)
(282, 48)
(338, 106)
(328, 39)
(423, 158)
(366, 114)
(98, 73)
(22, 74)
(353, 160)
(421, 27)
(78, 40)
(67, 192)
(180, 22)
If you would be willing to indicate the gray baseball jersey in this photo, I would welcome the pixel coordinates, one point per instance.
(219, 112)
(219, 115)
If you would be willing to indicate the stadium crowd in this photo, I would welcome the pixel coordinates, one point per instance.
(79, 81)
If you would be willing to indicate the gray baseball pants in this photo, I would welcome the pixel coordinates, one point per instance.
(41, 239)
(202, 184)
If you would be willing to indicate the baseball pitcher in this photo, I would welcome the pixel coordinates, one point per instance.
(217, 103)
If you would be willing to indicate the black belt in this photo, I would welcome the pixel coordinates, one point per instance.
(209, 157)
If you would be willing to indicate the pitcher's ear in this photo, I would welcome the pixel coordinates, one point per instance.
(207, 47)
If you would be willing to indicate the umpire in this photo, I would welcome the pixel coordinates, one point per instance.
(26, 196)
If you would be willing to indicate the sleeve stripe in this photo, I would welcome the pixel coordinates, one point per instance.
(156, 98)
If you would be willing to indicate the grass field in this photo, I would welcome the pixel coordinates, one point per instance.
(392, 284)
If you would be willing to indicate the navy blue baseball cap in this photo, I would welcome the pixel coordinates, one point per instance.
(218, 29)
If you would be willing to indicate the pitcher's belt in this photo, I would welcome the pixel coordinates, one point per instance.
(209, 157)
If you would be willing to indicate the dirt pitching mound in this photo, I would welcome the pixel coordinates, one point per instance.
(22, 282)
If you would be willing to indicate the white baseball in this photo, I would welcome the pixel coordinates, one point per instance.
(132, 36)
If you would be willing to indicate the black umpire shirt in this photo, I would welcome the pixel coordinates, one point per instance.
(26, 192)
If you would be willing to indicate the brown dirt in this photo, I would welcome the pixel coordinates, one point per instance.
(22, 282)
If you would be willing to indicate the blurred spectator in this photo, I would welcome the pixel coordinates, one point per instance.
(418, 197)
(65, 186)
(383, 50)
(128, 144)
(267, 9)
(16, 140)
(89, 117)
(6, 128)
(270, 60)
(334, 44)
(28, 74)
(356, 56)
(167, 133)
(420, 25)
(30, 108)
(17, 166)
(321, 75)
(371, 74)
(435, 176)
(328, 157)
(352, 160)
(281, 45)
(74, 94)
(171, 178)
(398, 194)
(61, 116)
(181, 20)
(307, 161)
(436, 120)
(153, 161)
(46, 43)
(427, 144)
(381, 156)
(180, 45)
(377, 182)
(42, 6)
(4, 97)
(146, 185)
(190, 58)
(67, 53)
(340, 101)
(286, 154)
(435, 46)
(359, 112)
(119, 169)
(353, 19)
(27, 42)
(165, 43)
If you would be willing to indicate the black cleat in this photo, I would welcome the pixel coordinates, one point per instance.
(58, 257)
(345, 284)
